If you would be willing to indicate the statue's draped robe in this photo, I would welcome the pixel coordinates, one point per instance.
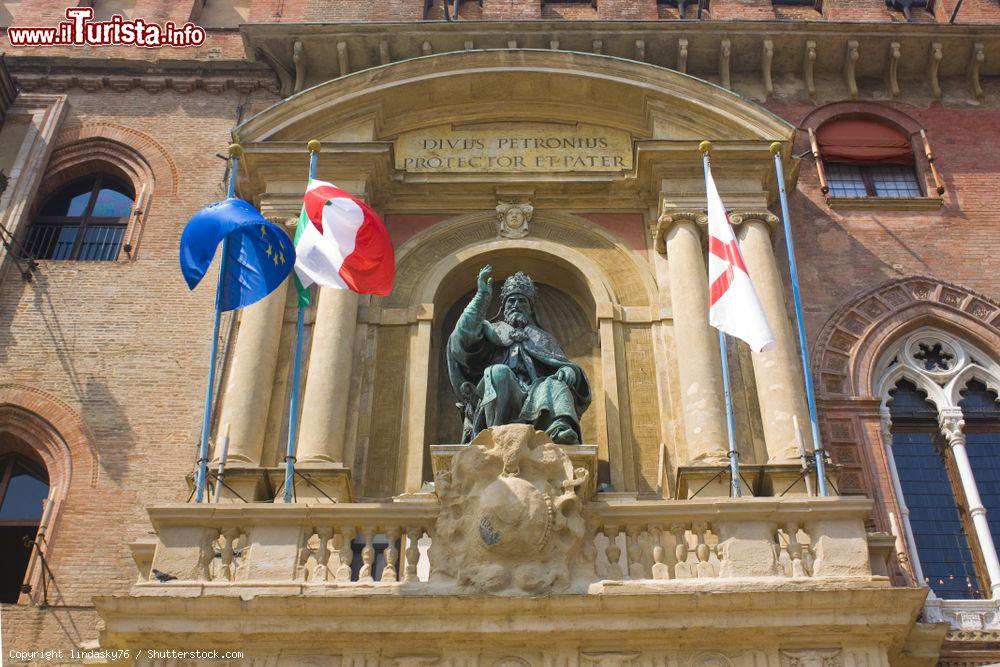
(513, 372)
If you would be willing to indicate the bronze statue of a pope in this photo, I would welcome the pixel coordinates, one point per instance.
(511, 371)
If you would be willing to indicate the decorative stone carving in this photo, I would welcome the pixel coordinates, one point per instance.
(514, 218)
(510, 514)
(820, 657)
(667, 220)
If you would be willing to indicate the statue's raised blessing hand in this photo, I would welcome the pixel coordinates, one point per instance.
(484, 284)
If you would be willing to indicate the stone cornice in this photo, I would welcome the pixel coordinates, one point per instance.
(61, 73)
(333, 50)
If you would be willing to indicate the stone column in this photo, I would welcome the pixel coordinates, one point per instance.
(323, 426)
(323, 429)
(780, 385)
(698, 361)
(251, 377)
(952, 427)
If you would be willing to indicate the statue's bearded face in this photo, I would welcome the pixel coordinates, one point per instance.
(517, 311)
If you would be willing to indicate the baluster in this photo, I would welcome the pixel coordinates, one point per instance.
(794, 549)
(391, 554)
(305, 553)
(660, 569)
(613, 552)
(782, 566)
(346, 553)
(206, 557)
(412, 554)
(808, 555)
(322, 554)
(367, 555)
(703, 552)
(229, 535)
(682, 569)
(635, 568)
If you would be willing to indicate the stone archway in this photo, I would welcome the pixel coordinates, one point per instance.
(852, 340)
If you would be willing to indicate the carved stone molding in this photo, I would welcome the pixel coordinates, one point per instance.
(151, 83)
(820, 657)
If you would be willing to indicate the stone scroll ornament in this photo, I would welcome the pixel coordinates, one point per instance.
(510, 516)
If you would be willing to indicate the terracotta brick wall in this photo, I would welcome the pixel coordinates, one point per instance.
(124, 346)
(47, 12)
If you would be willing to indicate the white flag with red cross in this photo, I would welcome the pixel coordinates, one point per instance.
(733, 304)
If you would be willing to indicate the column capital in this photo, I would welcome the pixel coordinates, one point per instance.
(952, 424)
(738, 218)
(885, 423)
(668, 219)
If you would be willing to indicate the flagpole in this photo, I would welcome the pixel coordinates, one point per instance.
(797, 298)
(293, 410)
(206, 425)
(734, 456)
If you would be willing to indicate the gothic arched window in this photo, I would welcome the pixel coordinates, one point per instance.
(24, 487)
(937, 517)
(942, 427)
(83, 220)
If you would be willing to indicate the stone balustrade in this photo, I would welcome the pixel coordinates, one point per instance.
(366, 547)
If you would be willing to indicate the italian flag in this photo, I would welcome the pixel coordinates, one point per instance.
(341, 243)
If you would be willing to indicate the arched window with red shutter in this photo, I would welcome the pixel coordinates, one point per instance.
(864, 157)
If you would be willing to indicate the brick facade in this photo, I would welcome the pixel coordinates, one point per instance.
(113, 355)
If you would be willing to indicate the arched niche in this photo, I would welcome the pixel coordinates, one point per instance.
(565, 307)
(602, 289)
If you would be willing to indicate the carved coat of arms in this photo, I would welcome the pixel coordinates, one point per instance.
(510, 514)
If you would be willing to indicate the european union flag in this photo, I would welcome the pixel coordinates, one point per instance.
(259, 255)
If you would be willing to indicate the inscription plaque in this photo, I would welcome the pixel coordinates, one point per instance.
(514, 148)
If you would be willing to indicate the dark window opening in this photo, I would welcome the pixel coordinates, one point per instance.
(939, 522)
(846, 180)
(24, 487)
(84, 220)
(863, 157)
(982, 425)
(379, 543)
